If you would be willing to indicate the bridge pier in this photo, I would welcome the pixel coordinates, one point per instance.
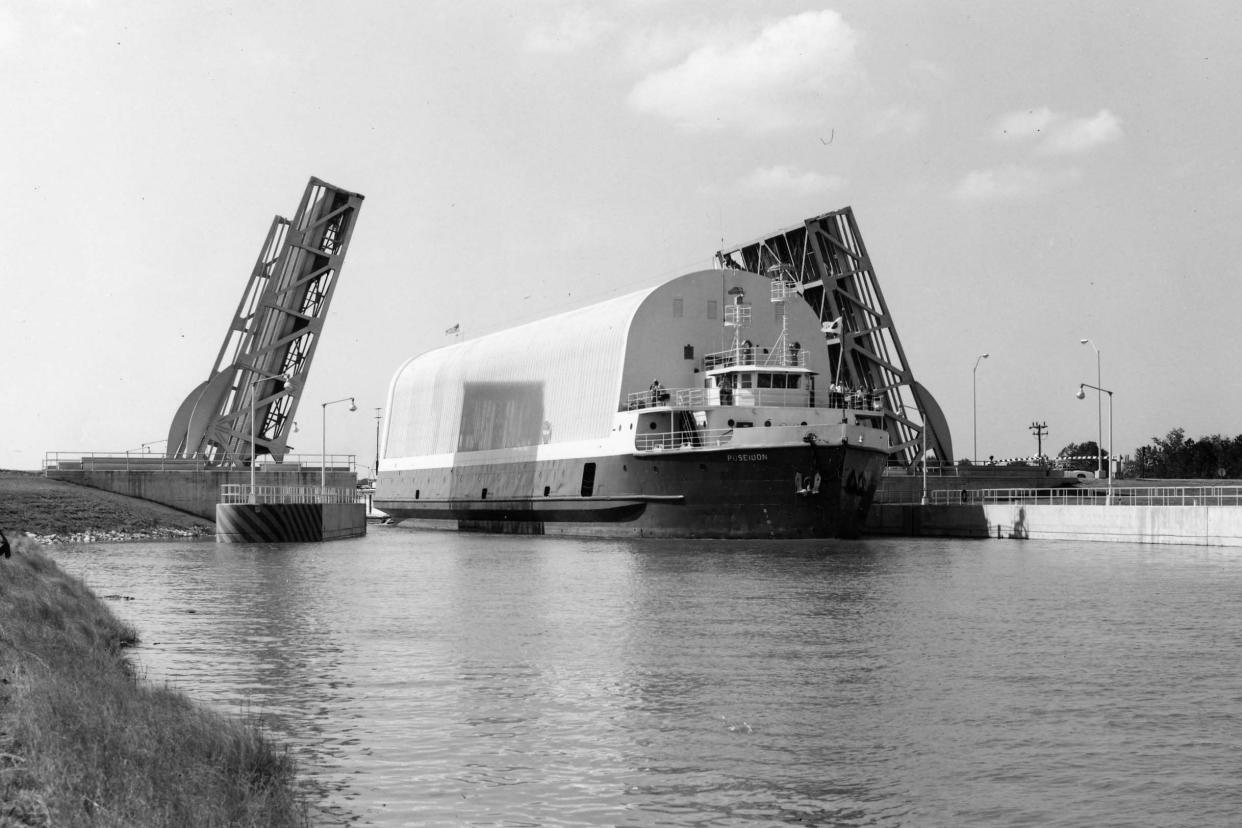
(289, 522)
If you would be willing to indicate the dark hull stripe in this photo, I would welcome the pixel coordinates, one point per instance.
(761, 493)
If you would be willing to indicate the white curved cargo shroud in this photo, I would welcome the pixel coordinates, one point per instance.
(552, 426)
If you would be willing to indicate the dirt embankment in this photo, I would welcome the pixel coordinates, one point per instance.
(51, 511)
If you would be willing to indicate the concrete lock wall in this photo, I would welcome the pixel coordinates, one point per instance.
(289, 522)
(1192, 525)
(344, 520)
(196, 492)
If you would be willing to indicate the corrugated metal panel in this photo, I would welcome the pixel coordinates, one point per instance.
(563, 373)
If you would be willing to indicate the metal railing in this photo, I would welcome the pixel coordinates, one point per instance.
(684, 440)
(704, 397)
(1097, 496)
(754, 397)
(240, 493)
(752, 355)
(83, 461)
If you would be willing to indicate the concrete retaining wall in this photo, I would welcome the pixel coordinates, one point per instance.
(289, 522)
(344, 520)
(915, 521)
(1193, 525)
(196, 492)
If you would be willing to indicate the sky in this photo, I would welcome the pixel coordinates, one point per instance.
(1024, 175)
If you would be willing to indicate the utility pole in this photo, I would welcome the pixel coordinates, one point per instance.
(1040, 430)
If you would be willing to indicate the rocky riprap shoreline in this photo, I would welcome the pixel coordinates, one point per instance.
(116, 536)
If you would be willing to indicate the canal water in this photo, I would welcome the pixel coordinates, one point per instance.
(428, 678)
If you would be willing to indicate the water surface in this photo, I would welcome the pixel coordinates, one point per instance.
(443, 679)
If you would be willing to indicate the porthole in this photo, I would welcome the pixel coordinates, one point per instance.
(730, 423)
(416, 491)
(767, 423)
(547, 490)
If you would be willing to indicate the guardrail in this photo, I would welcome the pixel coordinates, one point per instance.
(1098, 496)
(751, 355)
(754, 397)
(683, 440)
(83, 461)
(240, 493)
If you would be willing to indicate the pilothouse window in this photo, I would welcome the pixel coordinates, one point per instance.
(778, 380)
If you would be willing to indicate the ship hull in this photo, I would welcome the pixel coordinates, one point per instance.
(805, 491)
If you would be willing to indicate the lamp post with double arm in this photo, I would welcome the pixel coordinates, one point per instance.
(1082, 395)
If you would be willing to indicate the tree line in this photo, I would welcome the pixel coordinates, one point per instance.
(1173, 456)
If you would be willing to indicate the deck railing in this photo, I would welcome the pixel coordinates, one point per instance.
(684, 440)
(751, 355)
(1098, 496)
(754, 397)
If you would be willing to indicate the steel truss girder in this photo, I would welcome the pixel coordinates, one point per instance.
(264, 361)
(828, 258)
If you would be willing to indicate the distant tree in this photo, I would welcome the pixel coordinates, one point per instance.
(1231, 458)
(1087, 454)
(1177, 456)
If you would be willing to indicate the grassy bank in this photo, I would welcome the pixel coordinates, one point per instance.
(84, 743)
(53, 511)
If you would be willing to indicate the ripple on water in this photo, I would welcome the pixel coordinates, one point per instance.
(454, 679)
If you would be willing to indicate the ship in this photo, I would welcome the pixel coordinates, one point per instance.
(703, 407)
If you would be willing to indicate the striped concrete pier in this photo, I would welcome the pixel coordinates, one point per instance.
(288, 514)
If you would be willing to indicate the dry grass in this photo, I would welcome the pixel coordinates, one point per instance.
(84, 743)
(30, 502)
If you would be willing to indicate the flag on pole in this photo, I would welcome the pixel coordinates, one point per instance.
(453, 331)
(832, 330)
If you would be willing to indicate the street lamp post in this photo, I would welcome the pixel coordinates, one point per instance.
(323, 459)
(377, 443)
(974, 402)
(253, 415)
(923, 502)
(1099, 412)
(1081, 395)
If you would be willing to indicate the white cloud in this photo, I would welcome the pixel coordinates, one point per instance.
(1057, 133)
(573, 32)
(788, 180)
(1012, 182)
(776, 79)
(1078, 135)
